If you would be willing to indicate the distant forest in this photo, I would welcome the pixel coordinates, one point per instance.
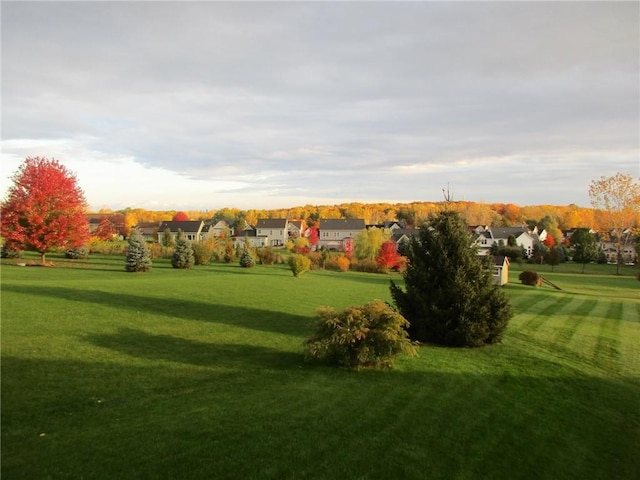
(413, 214)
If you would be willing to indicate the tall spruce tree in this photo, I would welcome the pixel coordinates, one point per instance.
(183, 255)
(450, 298)
(138, 257)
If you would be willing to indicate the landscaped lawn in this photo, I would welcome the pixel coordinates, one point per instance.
(200, 374)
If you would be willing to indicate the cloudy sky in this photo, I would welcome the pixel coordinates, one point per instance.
(202, 105)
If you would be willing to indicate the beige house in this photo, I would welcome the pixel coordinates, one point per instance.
(500, 270)
(192, 230)
(274, 230)
(338, 234)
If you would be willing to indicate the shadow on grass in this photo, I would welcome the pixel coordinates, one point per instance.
(245, 317)
(128, 421)
(166, 347)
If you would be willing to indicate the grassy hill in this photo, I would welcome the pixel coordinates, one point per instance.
(200, 374)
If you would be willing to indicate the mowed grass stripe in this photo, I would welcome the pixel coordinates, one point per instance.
(607, 346)
(523, 316)
(546, 314)
(569, 326)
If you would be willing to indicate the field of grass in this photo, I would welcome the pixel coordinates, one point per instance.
(200, 374)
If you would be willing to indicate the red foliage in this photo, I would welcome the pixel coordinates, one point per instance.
(105, 230)
(313, 235)
(44, 208)
(549, 241)
(388, 256)
(180, 217)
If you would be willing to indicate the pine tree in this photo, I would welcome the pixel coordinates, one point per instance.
(246, 259)
(138, 256)
(183, 255)
(450, 298)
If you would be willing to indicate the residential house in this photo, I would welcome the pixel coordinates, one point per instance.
(249, 237)
(148, 230)
(219, 229)
(339, 234)
(403, 235)
(192, 229)
(500, 236)
(296, 228)
(274, 229)
(115, 219)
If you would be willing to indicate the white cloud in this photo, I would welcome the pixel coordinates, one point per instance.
(211, 104)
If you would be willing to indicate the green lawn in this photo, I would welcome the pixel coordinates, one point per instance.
(200, 374)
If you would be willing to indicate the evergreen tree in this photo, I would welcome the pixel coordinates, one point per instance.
(246, 259)
(450, 298)
(183, 255)
(138, 256)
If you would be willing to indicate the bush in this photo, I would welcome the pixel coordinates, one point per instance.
(317, 260)
(529, 277)
(266, 255)
(76, 253)
(202, 253)
(338, 263)
(246, 259)
(299, 264)
(368, 266)
(10, 251)
(368, 336)
(138, 258)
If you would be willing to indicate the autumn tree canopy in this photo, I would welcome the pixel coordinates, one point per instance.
(617, 200)
(45, 208)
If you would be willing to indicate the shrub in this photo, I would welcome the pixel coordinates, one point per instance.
(338, 263)
(266, 256)
(202, 253)
(76, 253)
(138, 258)
(372, 335)
(183, 255)
(10, 251)
(529, 277)
(229, 252)
(316, 259)
(246, 259)
(299, 264)
(367, 265)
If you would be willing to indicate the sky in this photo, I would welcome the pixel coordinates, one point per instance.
(205, 105)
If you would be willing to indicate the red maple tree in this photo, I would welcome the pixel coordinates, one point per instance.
(388, 256)
(181, 217)
(44, 208)
(105, 230)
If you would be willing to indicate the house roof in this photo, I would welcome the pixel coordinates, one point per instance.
(398, 233)
(342, 224)
(506, 232)
(271, 223)
(186, 226)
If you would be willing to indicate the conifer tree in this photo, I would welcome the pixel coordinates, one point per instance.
(183, 255)
(246, 259)
(450, 298)
(138, 256)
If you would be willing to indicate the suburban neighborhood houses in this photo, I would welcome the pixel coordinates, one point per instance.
(341, 234)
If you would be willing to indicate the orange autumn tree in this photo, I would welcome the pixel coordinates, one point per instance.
(617, 203)
(44, 209)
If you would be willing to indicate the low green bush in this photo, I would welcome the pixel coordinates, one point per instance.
(76, 253)
(368, 336)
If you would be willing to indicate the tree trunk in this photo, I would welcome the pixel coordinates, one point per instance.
(42, 254)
